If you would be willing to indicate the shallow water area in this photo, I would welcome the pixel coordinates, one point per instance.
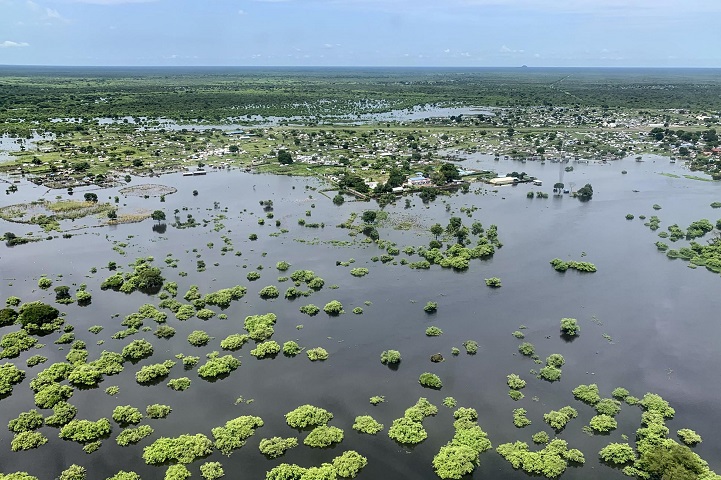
(657, 315)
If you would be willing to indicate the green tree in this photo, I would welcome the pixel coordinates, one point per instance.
(284, 157)
(91, 197)
(369, 216)
(437, 230)
(158, 215)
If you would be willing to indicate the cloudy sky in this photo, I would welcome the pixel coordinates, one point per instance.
(465, 33)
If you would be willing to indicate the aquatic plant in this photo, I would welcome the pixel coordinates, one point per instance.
(617, 453)
(349, 464)
(234, 341)
(198, 338)
(390, 357)
(433, 331)
(152, 372)
(158, 410)
(323, 436)
(182, 449)
(309, 309)
(515, 382)
(179, 384)
(276, 446)
(218, 366)
(569, 326)
(137, 350)
(603, 423)
(334, 307)
(430, 307)
(131, 436)
(211, 470)
(266, 349)
(526, 349)
(307, 415)
(84, 431)
(367, 424)
(587, 394)
(558, 419)
(430, 380)
(126, 415)
(471, 347)
(688, 436)
(317, 353)
(233, 434)
(271, 291)
(519, 418)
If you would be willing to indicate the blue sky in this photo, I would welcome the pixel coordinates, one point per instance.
(465, 33)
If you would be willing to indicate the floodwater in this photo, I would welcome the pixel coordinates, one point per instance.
(659, 316)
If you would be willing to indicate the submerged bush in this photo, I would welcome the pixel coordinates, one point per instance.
(182, 449)
(233, 434)
(277, 446)
(218, 366)
(131, 436)
(309, 309)
(307, 415)
(558, 419)
(84, 431)
(430, 380)
(569, 326)
(334, 307)
(390, 357)
(127, 414)
(323, 436)
(317, 353)
(617, 453)
(266, 349)
(367, 424)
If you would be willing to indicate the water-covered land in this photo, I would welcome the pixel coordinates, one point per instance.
(191, 327)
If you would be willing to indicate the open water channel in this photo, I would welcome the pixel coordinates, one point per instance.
(658, 316)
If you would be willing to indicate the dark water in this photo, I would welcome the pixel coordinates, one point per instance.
(660, 315)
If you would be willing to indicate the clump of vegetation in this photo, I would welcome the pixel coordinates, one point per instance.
(359, 272)
(127, 415)
(234, 341)
(430, 380)
(541, 437)
(309, 309)
(409, 429)
(306, 416)
(271, 291)
(266, 349)
(461, 455)
(198, 338)
(603, 423)
(233, 434)
(323, 436)
(182, 449)
(26, 422)
(158, 410)
(549, 462)
(334, 307)
(433, 331)
(471, 347)
(390, 357)
(212, 470)
(493, 282)
(561, 266)
(260, 327)
(430, 307)
(291, 348)
(85, 431)
(375, 400)
(558, 419)
(526, 349)
(276, 446)
(688, 436)
(317, 353)
(617, 453)
(367, 424)
(179, 384)
(587, 394)
(153, 372)
(515, 382)
(218, 366)
(569, 326)
(137, 350)
(131, 436)
(519, 418)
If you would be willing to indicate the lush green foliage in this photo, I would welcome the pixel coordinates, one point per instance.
(218, 366)
(569, 326)
(430, 380)
(390, 357)
(617, 453)
(317, 353)
(84, 431)
(309, 309)
(277, 446)
(266, 349)
(234, 341)
(323, 436)
(431, 307)
(587, 394)
(27, 441)
(493, 282)
(306, 416)
(334, 307)
(179, 384)
(367, 424)
(198, 338)
(526, 349)
(126, 414)
(26, 421)
(260, 327)
(153, 372)
(183, 449)
(688, 436)
(157, 410)
(233, 434)
(515, 382)
(211, 470)
(603, 423)
(137, 350)
(131, 436)
(291, 348)
(460, 456)
(558, 419)
(549, 462)
(519, 418)
(433, 331)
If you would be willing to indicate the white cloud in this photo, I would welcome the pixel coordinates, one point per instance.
(505, 49)
(11, 44)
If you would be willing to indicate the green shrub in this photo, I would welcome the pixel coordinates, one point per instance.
(309, 309)
(73, 472)
(211, 470)
(431, 307)
(276, 446)
(519, 418)
(218, 366)
(10, 375)
(493, 282)
(323, 436)
(84, 431)
(26, 421)
(407, 431)
(433, 331)
(540, 437)
(569, 326)
(617, 453)
(291, 348)
(183, 449)
(558, 419)
(158, 410)
(349, 464)
(390, 357)
(688, 436)
(271, 291)
(603, 423)
(179, 384)
(317, 353)
(515, 382)
(198, 338)
(471, 347)
(266, 349)
(608, 406)
(126, 414)
(526, 349)
(153, 372)
(233, 434)
(334, 307)
(137, 350)
(367, 424)
(234, 341)
(430, 380)
(44, 283)
(307, 415)
(131, 436)
(27, 441)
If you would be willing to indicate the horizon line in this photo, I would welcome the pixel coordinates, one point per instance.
(618, 67)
